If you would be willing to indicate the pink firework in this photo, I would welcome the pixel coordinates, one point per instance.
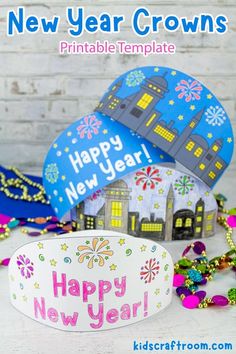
(95, 195)
(90, 125)
(190, 90)
(25, 266)
(148, 177)
(150, 270)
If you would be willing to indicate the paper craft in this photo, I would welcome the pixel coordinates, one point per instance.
(91, 280)
(90, 154)
(153, 202)
(176, 113)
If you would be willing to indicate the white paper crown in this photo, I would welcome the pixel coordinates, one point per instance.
(90, 280)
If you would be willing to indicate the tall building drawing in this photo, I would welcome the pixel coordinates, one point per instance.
(138, 112)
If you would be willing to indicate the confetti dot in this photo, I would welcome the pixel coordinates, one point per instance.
(58, 153)
(55, 192)
(74, 141)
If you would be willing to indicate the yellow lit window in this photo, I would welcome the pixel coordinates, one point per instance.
(81, 217)
(144, 101)
(179, 222)
(116, 223)
(218, 165)
(150, 120)
(110, 96)
(164, 133)
(159, 90)
(215, 148)
(113, 88)
(114, 103)
(199, 208)
(210, 216)
(150, 86)
(212, 175)
(198, 230)
(188, 222)
(170, 205)
(151, 227)
(116, 209)
(133, 223)
(202, 166)
(199, 218)
(198, 152)
(190, 146)
(209, 227)
(100, 222)
(192, 124)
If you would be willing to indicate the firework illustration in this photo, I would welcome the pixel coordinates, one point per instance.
(215, 116)
(96, 195)
(90, 125)
(25, 266)
(149, 270)
(148, 177)
(190, 90)
(184, 185)
(97, 252)
(135, 78)
(52, 173)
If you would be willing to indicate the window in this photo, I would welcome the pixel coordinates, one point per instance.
(190, 146)
(114, 103)
(81, 216)
(113, 88)
(100, 222)
(149, 227)
(89, 222)
(198, 152)
(198, 230)
(144, 101)
(209, 227)
(164, 133)
(209, 157)
(150, 120)
(210, 216)
(116, 209)
(215, 148)
(199, 218)
(218, 165)
(188, 222)
(110, 96)
(170, 205)
(136, 112)
(133, 223)
(199, 208)
(212, 175)
(116, 223)
(192, 124)
(179, 222)
(202, 166)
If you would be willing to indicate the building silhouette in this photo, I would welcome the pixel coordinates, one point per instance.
(115, 215)
(138, 112)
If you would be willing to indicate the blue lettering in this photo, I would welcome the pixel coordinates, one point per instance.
(14, 23)
(172, 23)
(78, 22)
(50, 26)
(136, 18)
(91, 24)
(221, 22)
(190, 26)
(32, 24)
(207, 20)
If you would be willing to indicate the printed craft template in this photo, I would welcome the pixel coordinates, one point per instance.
(154, 202)
(176, 113)
(91, 280)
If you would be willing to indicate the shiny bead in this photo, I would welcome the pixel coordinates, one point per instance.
(199, 247)
(195, 275)
(185, 262)
(220, 300)
(231, 220)
(178, 280)
(200, 294)
(34, 233)
(191, 302)
(13, 223)
(183, 291)
(232, 294)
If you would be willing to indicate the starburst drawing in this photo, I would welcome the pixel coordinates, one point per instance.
(184, 185)
(189, 90)
(97, 252)
(25, 266)
(215, 116)
(135, 78)
(52, 173)
(89, 126)
(148, 177)
(149, 270)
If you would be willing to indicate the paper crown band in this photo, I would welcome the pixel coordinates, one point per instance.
(90, 280)
(177, 113)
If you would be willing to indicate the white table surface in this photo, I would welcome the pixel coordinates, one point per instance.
(22, 335)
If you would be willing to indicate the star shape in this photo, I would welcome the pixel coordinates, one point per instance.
(166, 277)
(210, 135)
(180, 117)
(173, 73)
(156, 206)
(156, 70)
(143, 248)
(12, 278)
(113, 266)
(60, 199)
(164, 254)
(140, 198)
(157, 292)
(207, 194)
(159, 305)
(69, 134)
(169, 172)
(55, 146)
(36, 285)
(121, 242)
(162, 157)
(192, 107)
(105, 131)
(24, 298)
(209, 96)
(171, 102)
(53, 262)
(229, 140)
(40, 245)
(63, 178)
(66, 149)
(64, 247)
(189, 203)
(161, 191)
